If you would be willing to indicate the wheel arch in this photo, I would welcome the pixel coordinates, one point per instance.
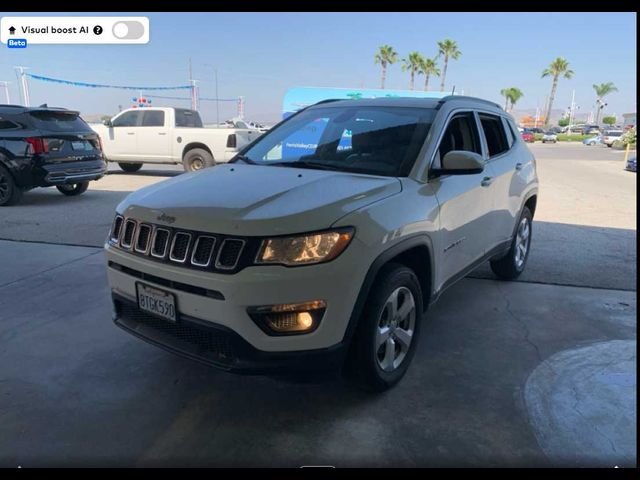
(416, 253)
(190, 146)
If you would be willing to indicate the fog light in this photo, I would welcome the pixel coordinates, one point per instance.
(290, 318)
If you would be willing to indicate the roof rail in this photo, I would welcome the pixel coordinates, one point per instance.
(464, 97)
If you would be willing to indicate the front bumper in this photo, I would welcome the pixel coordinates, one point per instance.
(223, 300)
(219, 346)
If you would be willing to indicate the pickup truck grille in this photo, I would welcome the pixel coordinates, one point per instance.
(188, 248)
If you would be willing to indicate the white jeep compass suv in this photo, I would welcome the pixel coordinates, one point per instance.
(322, 243)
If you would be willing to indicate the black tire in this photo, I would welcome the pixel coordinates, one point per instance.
(363, 361)
(130, 167)
(197, 159)
(74, 189)
(509, 267)
(10, 193)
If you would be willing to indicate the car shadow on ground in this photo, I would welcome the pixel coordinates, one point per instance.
(147, 173)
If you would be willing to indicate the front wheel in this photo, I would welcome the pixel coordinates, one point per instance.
(387, 333)
(197, 159)
(512, 264)
(73, 189)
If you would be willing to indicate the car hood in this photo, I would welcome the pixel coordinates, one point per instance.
(258, 200)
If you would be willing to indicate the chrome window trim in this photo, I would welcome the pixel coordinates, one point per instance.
(222, 267)
(173, 242)
(195, 249)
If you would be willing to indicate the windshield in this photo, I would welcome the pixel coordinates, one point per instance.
(373, 140)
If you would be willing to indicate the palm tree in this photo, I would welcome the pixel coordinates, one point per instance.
(602, 90)
(515, 95)
(506, 93)
(385, 56)
(449, 49)
(413, 63)
(429, 67)
(556, 69)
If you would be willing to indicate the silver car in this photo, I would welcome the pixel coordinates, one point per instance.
(549, 137)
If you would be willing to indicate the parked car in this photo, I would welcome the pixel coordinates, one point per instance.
(168, 135)
(328, 252)
(610, 136)
(534, 130)
(591, 141)
(591, 130)
(44, 147)
(549, 137)
(528, 136)
(631, 164)
(556, 130)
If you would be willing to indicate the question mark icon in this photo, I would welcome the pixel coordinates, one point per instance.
(97, 29)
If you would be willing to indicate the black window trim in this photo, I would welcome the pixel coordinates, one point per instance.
(489, 158)
(450, 117)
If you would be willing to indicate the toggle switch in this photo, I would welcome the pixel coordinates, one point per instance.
(128, 30)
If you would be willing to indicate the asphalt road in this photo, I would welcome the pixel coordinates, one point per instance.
(584, 230)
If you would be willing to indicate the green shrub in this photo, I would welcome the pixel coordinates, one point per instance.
(537, 137)
(563, 137)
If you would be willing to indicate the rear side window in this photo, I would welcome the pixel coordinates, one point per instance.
(187, 118)
(127, 119)
(153, 118)
(494, 134)
(511, 137)
(58, 121)
(6, 124)
(461, 134)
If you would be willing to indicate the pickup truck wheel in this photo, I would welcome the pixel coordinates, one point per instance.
(10, 193)
(197, 159)
(512, 264)
(387, 333)
(130, 167)
(73, 189)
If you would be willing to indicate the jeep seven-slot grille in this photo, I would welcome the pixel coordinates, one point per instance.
(142, 240)
(183, 247)
(229, 254)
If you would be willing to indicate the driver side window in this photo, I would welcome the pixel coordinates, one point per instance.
(461, 134)
(127, 119)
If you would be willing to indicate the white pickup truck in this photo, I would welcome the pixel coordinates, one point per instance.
(168, 135)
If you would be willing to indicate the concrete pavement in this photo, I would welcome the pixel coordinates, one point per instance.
(77, 391)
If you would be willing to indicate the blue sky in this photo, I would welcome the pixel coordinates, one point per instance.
(261, 55)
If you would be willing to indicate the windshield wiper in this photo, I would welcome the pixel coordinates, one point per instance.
(307, 164)
(244, 158)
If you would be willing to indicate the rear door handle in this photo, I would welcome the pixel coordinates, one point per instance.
(486, 181)
(518, 166)
(162, 133)
(131, 133)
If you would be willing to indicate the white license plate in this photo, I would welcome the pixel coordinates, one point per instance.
(80, 145)
(157, 302)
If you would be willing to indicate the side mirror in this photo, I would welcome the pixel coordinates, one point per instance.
(459, 162)
(108, 123)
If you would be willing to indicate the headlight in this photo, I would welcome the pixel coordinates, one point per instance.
(304, 249)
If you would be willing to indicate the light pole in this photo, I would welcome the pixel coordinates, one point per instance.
(23, 84)
(6, 92)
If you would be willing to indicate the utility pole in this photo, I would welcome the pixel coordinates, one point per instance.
(6, 92)
(194, 99)
(217, 101)
(23, 84)
(573, 100)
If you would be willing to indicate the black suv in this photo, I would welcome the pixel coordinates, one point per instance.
(44, 147)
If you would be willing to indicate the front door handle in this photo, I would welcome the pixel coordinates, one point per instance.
(162, 133)
(131, 133)
(518, 166)
(486, 181)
